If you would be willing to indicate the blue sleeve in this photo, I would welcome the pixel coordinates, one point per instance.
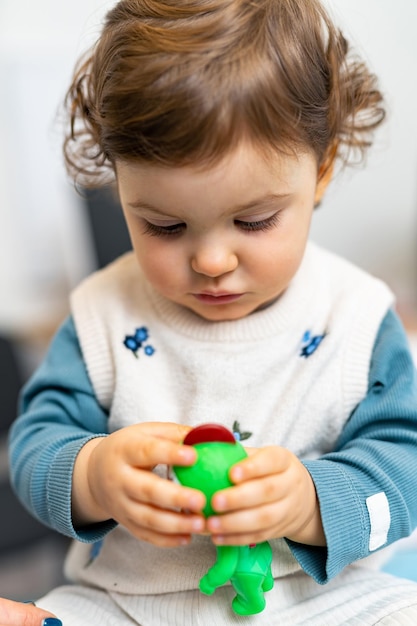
(59, 413)
(376, 454)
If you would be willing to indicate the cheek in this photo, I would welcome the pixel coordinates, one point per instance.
(281, 258)
(159, 263)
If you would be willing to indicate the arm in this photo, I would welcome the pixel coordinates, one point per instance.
(80, 480)
(372, 465)
(59, 415)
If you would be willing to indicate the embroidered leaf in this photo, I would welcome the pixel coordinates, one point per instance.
(238, 434)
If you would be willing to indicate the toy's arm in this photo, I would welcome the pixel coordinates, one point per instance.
(222, 570)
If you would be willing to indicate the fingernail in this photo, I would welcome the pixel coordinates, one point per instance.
(214, 524)
(187, 454)
(218, 539)
(185, 541)
(198, 525)
(29, 602)
(51, 621)
(237, 474)
(220, 503)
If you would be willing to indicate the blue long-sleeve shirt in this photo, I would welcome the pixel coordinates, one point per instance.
(377, 450)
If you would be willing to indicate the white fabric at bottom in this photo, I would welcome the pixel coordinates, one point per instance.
(405, 617)
(358, 597)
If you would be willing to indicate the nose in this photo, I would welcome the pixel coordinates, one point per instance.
(214, 259)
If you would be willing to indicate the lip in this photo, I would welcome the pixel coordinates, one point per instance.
(207, 297)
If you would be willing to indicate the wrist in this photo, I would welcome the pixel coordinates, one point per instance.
(311, 532)
(85, 509)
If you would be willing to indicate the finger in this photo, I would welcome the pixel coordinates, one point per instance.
(19, 614)
(143, 449)
(144, 486)
(253, 493)
(268, 460)
(259, 519)
(165, 430)
(164, 522)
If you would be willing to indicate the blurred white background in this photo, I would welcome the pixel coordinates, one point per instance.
(44, 245)
(369, 214)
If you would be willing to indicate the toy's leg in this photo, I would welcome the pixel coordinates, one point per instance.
(250, 598)
(207, 585)
(222, 570)
(269, 581)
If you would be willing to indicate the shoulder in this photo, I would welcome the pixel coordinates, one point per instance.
(339, 271)
(104, 307)
(116, 277)
(345, 285)
(118, 291)
(392, 357)
(351, 305)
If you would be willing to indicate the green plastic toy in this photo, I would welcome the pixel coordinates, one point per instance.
(247, 567)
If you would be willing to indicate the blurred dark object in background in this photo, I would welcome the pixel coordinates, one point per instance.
(17, 527)
(31, 555)
(108, 229)
(11, 382)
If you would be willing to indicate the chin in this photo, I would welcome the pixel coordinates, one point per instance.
(222, 314)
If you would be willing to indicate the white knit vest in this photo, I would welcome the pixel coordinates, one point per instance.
(290, 375)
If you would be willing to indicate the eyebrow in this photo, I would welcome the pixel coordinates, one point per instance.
(253, 204)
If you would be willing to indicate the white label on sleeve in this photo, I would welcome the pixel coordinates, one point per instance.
(380, 517)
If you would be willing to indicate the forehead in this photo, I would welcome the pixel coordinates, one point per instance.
(241, 174)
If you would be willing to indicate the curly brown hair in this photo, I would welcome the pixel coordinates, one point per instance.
(176, 82)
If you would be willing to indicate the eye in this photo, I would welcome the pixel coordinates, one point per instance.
(157, 230)
(259, 225)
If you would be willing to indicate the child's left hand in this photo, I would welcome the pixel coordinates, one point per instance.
(274, 496)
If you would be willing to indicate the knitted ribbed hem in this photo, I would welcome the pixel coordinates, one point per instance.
(59, 492)
(330, 478)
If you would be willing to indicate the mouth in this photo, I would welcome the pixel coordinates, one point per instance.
(217, 298)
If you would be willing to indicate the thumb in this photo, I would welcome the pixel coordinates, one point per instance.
(20, 614)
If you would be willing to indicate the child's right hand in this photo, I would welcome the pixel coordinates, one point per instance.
(113, 479)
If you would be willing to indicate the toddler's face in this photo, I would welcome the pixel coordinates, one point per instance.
(223, 241)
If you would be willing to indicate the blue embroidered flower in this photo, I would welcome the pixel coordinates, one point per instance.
(135, 342)
(310, 344)
(131, 343)
(141, 334)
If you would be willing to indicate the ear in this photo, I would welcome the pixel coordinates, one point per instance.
(325, 174)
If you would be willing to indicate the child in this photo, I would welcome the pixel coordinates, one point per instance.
(221, 122)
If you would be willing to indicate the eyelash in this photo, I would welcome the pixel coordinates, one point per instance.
(177, 229)
(163, 231)
(260, 225)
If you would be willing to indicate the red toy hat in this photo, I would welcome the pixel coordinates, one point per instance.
(209, 433)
